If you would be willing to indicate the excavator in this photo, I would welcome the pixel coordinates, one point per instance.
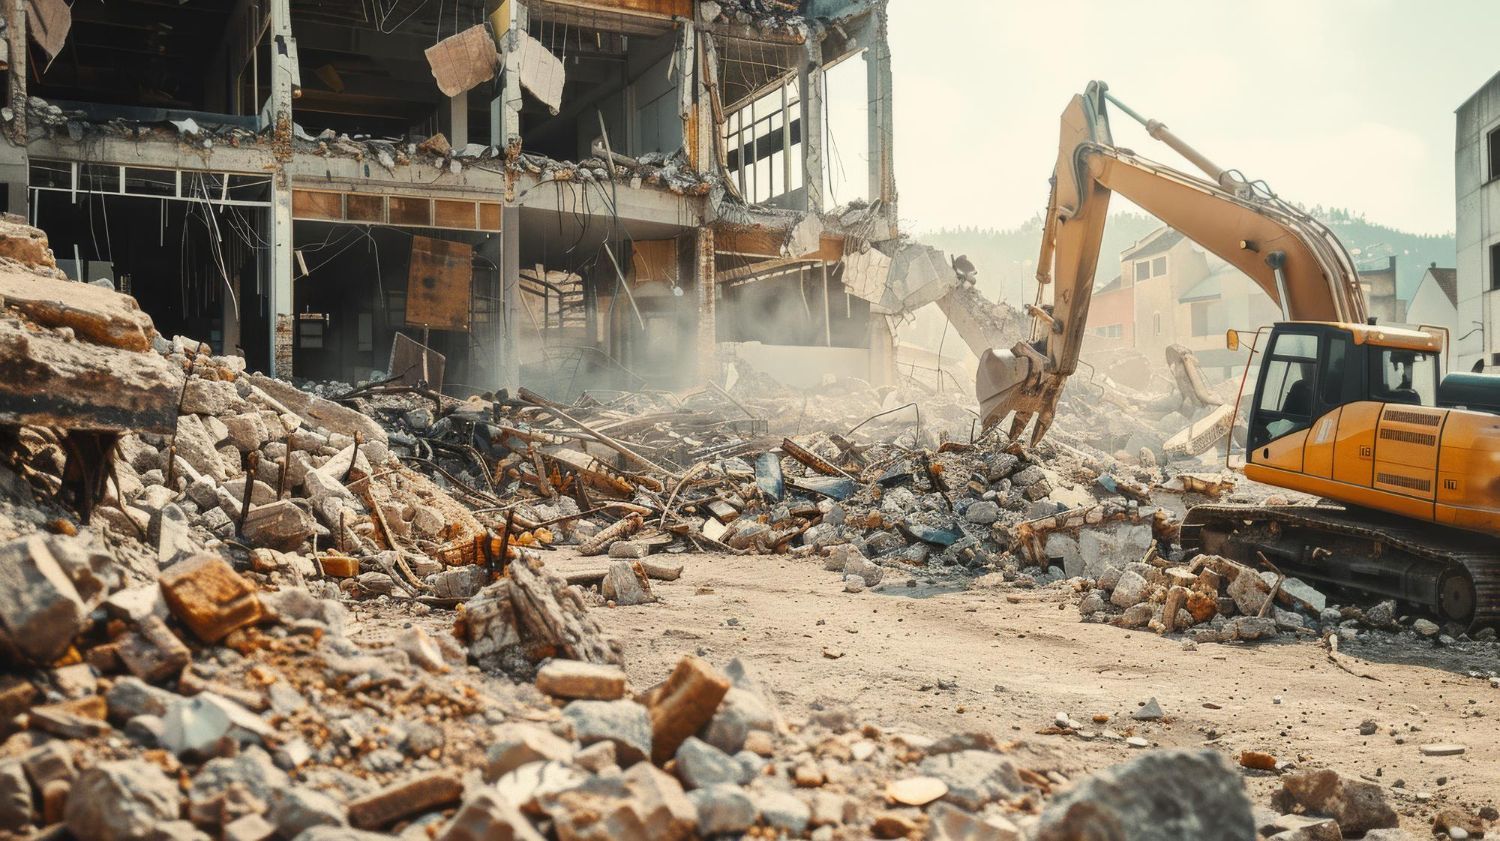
(1405, 460)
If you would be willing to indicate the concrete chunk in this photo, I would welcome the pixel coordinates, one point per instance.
(40, 609)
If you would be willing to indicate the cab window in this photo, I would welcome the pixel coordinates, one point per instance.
(1340, 380)
(1286, 396)
(1404, 376)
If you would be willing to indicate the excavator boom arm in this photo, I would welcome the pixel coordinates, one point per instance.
(1293, 257)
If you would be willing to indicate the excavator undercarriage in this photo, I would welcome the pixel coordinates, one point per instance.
(1455, 574)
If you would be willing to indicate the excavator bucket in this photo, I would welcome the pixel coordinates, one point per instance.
(1017, 381)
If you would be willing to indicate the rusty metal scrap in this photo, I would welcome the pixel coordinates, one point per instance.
(601, 541)
(812, 459)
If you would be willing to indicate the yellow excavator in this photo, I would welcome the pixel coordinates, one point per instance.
(1405, 460)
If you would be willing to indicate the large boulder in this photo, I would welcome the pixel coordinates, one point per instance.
(1161, 796)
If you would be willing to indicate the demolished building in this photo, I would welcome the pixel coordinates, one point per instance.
(557, 193)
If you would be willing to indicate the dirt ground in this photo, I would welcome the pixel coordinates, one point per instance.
(938, 658)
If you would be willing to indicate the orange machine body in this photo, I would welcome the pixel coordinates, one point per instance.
(1393, 452)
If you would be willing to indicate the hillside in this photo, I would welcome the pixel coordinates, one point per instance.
(1007, 258)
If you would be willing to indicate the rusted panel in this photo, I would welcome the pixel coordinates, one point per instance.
(448, 213)
(315, 204)
(655, 260)
(832, 248)
(748, 242)
(364, 208)
(411, 211)
(489, 216)
(463, 61)
(438, 284)
(768, 242)
(413, 362)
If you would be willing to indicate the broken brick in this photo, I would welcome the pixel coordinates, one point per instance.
(574, 680)
(209, 597)
(152, 652)
(683, 704)
(409, 797)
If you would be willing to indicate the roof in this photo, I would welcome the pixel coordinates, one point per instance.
(1447, 280)
(1154, 243)
(1113, 285)
(1397, 337)
(1207, 289)
(1212, 287)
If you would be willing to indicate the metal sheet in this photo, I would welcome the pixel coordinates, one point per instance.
(413, 362)
(438, 284)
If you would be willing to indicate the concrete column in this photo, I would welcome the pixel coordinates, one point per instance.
(701, 129)
(882, 351)
(510, 298)
(283, 73)
(14, 165)
(705, 287)
(505, 112)
(810, 82)
(458, 120)
(882, 119)
(486, 371)
(280, 266)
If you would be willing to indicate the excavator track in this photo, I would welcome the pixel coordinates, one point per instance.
(1455, 574)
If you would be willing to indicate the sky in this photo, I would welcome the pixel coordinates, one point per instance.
(1343, 103)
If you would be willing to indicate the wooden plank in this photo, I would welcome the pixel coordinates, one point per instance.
(316, 204)
(438, 284)
(748, 242)
(364, 208)
(655, 260)
(449, 213)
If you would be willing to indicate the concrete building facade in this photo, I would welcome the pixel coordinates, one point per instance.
(554, 193)
(1476, 171)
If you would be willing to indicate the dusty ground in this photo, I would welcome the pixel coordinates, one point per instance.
(935, 659)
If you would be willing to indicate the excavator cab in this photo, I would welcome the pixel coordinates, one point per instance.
(1312, 369)
(1361, 413)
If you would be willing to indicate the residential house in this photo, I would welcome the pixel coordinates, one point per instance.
(1435, 301)
(1382, 297)
(1111, 324)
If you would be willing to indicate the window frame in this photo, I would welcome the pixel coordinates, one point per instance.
(1261, 417)
(1492, 147)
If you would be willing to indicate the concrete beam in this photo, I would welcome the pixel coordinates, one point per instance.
(159, 153)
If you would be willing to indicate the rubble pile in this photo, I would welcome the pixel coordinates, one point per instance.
(44, 119)
(224, 607)
(1215, 599)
